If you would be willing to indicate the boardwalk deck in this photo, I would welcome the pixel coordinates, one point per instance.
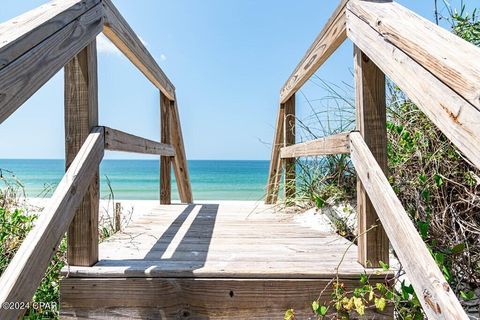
(224, 260)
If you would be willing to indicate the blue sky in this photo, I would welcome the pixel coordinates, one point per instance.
(227, 58)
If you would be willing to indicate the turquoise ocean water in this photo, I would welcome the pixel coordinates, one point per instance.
(139, 179)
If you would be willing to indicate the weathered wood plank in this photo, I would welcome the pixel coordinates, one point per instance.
(24, 273)
(166, 107)
(81, 116)
(125, 39)
(23, 33)
(451, 59)
(180, 164)
(436, 296)
(116, 140)
(174, 298)
(335, 144)
(329, 39)
(454, 116)
(23, 77)
(275, 170)
(289, 139)
(371, 122)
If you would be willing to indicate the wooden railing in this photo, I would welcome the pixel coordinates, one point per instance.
(439, 72)
(33, 48)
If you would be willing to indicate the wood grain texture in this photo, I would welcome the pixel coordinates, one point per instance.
(125, 39)
(226, 240)
(335, 144)
(165, 162)
(173, 298)
(451, 59)
(21, 34)
(81, 116)
(329, 39)
(289, 164)
(180, 164)
(25, 271)
(275, 170)
(116, 140)
(452, 114)
(437, 298)
(20, 79)
(371, 122)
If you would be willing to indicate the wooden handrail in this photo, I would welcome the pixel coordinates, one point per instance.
(20, 34)
(37, 63)
(116, 140)
(436, 296)
(125, 39)
(327, 42)
(441, 52)
(335, 144)
(451, 113)
(27, 268)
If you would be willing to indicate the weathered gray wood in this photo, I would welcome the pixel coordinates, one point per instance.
(289, 139)
(275, 171)
(331, 37)
(165, 162)
(116, 140)
(118, 216)
(81, 116)
(24, 273)
(20, 79)
(174, 298)
(21, 34)
(180, 164)
(371, 114)
(451, 59)
(125, 39)
(335, 144)
(437, 298)
(454, 116)
(213, 240)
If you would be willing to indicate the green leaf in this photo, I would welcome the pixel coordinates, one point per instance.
(319, 202)
(315, 306)
(363, 278)
(459, 248)
(289, 315)
(323, 311)
(423, 226)
(422, 178)
(467, 296)
(380, 303)
(384, 265)
(438, 180)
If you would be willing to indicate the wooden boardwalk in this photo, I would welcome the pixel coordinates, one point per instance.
(226, 260)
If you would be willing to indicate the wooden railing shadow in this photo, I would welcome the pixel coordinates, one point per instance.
(188, 253)
(33, 48)
(439, 72)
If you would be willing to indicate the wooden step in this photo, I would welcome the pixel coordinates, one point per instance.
(203, 298)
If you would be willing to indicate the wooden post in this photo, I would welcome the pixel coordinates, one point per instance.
(81, 115)
(180, 165)
(289, 139)
(165, 162)
(373, 245)
(118, 217)
(275, 171)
